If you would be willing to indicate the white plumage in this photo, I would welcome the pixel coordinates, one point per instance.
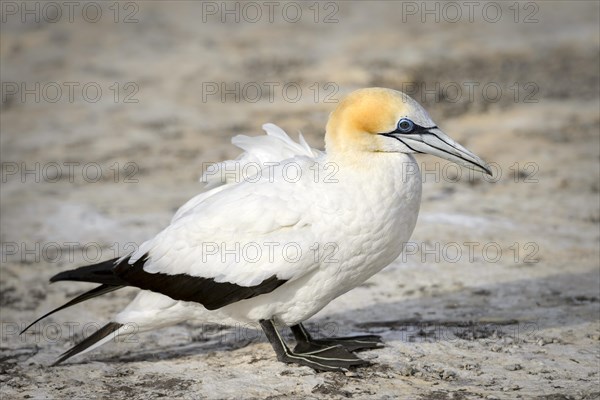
(317, 223)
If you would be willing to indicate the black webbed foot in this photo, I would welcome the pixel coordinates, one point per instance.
(321, 357)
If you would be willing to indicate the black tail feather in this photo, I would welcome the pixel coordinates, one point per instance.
(89, 341)
(97, 291)
(97, 273)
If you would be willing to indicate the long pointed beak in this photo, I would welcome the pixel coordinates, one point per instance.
(434, 141)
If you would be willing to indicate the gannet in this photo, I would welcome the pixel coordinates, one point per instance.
(313, 225)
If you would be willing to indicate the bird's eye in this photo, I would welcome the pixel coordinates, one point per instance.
(405, 125)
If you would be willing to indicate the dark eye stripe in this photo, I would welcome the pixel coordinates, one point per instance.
(417, 129)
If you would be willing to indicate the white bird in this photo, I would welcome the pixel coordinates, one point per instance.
(284, 230)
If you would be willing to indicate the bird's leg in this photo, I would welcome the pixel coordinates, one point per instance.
(350, 343)
(318, 357)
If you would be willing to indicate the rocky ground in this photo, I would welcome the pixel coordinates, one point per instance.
(109, 117)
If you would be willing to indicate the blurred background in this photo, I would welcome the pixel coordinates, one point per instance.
(110, 111)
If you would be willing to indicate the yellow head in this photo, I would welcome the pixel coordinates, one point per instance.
(385, 120)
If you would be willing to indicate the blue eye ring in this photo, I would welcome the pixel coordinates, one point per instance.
(405, 125)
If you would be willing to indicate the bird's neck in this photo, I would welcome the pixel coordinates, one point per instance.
(375, 164)
(395, 174)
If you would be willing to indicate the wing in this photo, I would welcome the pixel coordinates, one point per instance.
(244, 235)
(243, 238)
(247, 236)
(215, 256)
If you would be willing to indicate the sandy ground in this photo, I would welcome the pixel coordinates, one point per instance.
(499, 294)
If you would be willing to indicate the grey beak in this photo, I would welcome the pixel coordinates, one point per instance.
(436, 142)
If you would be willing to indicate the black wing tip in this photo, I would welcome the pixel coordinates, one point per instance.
(89, 341)
(61, 276)
(102, 272)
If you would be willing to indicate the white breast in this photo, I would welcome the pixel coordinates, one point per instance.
(361, 223)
